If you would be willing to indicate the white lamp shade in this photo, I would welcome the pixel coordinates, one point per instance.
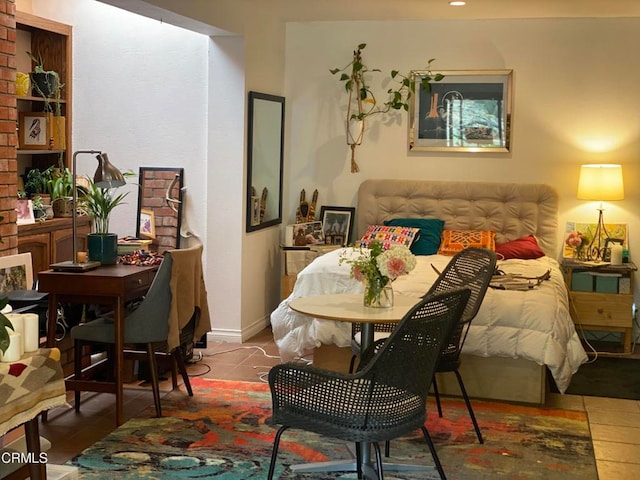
(601, 182)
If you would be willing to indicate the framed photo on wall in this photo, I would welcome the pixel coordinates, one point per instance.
(337, 224)
(467, 111)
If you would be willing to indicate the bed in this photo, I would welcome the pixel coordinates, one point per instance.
(517, 335)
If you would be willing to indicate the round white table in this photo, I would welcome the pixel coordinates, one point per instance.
(350, 308)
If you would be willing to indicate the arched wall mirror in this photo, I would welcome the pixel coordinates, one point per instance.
(265, 144)
(160, 206)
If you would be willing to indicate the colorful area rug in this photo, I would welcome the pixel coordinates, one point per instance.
(223, 433)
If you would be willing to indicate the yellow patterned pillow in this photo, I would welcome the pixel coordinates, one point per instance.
(454, 241)
(389, 236)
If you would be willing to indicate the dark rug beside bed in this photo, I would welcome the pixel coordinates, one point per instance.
(607, 377)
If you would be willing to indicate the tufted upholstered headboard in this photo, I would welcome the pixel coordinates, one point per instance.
(512, 210)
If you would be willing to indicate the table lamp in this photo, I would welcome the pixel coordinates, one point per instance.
(600, 183)
(106, 176)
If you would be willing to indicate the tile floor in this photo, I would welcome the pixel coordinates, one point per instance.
(615, 424)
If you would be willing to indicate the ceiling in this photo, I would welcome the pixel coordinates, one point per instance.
(192, 13)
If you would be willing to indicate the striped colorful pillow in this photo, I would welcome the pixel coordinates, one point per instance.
(389, 236)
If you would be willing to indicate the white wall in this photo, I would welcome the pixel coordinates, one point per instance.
(574, 101)
(140, 90)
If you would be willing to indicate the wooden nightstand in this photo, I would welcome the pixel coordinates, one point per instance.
(601, 297)
(294, 259)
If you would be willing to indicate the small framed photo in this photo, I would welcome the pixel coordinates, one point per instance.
(337, 240)
(34, 130)
(338, 222)
(255, 211)
(147, 223)
(468, 111)
(309, 233)
(24, 208)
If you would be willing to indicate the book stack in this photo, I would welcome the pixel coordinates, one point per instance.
(131, 244)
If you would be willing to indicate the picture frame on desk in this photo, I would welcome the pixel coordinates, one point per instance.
(147, 223)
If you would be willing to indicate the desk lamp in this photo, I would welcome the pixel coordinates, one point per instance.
(600, 183)
(106, 176)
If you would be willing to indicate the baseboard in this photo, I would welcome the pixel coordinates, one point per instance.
(238, 336)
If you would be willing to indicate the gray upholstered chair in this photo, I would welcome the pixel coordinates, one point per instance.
(386, 399)
(148, 324)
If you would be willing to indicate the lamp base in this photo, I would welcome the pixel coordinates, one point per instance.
(70, 266)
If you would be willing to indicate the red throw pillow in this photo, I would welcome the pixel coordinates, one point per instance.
(525, 248)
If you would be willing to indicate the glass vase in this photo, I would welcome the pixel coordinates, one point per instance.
(378, 293)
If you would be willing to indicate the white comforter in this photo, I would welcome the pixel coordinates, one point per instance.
(533, 324)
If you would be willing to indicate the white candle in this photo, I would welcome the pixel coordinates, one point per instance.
(616, 254)
(31, 337)
(17, 320)
(13, 352)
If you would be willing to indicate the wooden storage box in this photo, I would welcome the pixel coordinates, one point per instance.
(606, 284)
(581, 282)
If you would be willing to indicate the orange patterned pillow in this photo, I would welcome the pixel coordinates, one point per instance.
(454, 241)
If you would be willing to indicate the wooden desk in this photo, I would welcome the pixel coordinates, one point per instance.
(106, 285)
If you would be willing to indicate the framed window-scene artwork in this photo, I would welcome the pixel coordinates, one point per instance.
(467, 111)
(147, 223)
(337, 224)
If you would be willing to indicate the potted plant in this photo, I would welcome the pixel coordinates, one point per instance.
(62, 193)
(39, 183)
(98, 203)
(39, 208)
(362, 102)
(45, 83)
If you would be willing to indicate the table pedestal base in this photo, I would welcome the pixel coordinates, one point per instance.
(368, 469)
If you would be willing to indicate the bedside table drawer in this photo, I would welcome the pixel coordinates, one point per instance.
(602, 310)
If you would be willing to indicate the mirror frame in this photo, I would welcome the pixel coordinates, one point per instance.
(255, 98)
(178, 171)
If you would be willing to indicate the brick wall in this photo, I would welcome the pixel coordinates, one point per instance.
(8, 137)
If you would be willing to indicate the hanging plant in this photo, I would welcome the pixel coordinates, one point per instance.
(362, 102)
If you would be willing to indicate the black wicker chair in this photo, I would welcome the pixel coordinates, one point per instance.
(382, 401)
(471, 268)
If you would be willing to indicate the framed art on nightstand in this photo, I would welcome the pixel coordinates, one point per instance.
(337, 224)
